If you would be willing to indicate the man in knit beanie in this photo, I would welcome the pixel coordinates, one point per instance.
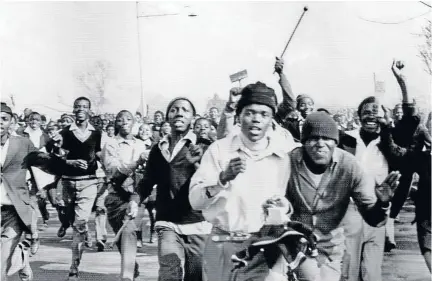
(239, 177)
(323, 179)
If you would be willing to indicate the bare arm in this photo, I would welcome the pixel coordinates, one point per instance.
(288, 101)
(396, 69)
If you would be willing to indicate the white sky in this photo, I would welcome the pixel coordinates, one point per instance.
(332, 57)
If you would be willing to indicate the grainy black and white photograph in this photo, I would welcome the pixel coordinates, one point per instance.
(215, 140)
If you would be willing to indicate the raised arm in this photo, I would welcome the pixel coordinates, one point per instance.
(288, 102)
(397, 72)
(227, 121)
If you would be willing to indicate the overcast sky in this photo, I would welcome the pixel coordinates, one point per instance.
(332, 57)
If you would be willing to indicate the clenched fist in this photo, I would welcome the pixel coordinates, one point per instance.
(235, 167)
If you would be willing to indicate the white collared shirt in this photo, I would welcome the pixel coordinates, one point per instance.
(4, 197)
(34, 135)
(121, 154)
(182, 229)
(164, 144)
(371, 158)
(82, 136)
(237, 206)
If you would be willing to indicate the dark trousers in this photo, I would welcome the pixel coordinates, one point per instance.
(11, 230)
(401, 194)
(42, 204)
(180, 256)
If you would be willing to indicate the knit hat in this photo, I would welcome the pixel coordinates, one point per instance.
(257, 93)
(6, 109)
(319, 124)
(176, 99)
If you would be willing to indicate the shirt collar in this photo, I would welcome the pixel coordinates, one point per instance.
(272, 148)
(120, 140)
(29, 130)
(167, 138)
(148, 142)
(74, 127)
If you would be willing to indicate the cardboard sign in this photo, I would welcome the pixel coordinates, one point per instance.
(238, 76)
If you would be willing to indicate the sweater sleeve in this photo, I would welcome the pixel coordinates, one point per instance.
(363, 194)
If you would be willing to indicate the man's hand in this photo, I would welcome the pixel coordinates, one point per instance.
(234, 97)
(143, 157)
(276, 202)
(385, 191)
(58, 139)
(235, 167)
(194, 154)
(81, 164)
(279, 65)
(397, 70)
(132, 209)
(386, 120)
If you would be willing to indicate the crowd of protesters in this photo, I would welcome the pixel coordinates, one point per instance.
(258, 190)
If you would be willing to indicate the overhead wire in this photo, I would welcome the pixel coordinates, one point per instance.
(397, 22)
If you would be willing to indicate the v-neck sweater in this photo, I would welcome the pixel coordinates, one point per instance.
(172, 180)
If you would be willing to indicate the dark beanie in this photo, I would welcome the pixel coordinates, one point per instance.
(176, 99)
(6, 109)
(319, 124)
(257, 93)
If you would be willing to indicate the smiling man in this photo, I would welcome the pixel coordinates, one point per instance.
(79, 144)
(181, 230)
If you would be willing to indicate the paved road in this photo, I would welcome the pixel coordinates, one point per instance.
(52, 261)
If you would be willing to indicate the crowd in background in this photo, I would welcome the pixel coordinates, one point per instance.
(188, 169)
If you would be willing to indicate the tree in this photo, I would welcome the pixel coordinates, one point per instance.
(425, 49)
(94, 82)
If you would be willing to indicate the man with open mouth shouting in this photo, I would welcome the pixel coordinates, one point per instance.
(181, 230)
(237, 176)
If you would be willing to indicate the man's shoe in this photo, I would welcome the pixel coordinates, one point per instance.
(25, 273)
(34, 247)
(100, 246)
(73, 274)
(88, 240)
(61, 232)
(73, 277)
(139, 244)
(136, 270)
(389, 246)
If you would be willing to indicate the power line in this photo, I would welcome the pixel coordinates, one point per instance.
(397, 22)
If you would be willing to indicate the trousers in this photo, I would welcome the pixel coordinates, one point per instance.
(127, 244)
(180, 256)
(79, 197)
(11, 231)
